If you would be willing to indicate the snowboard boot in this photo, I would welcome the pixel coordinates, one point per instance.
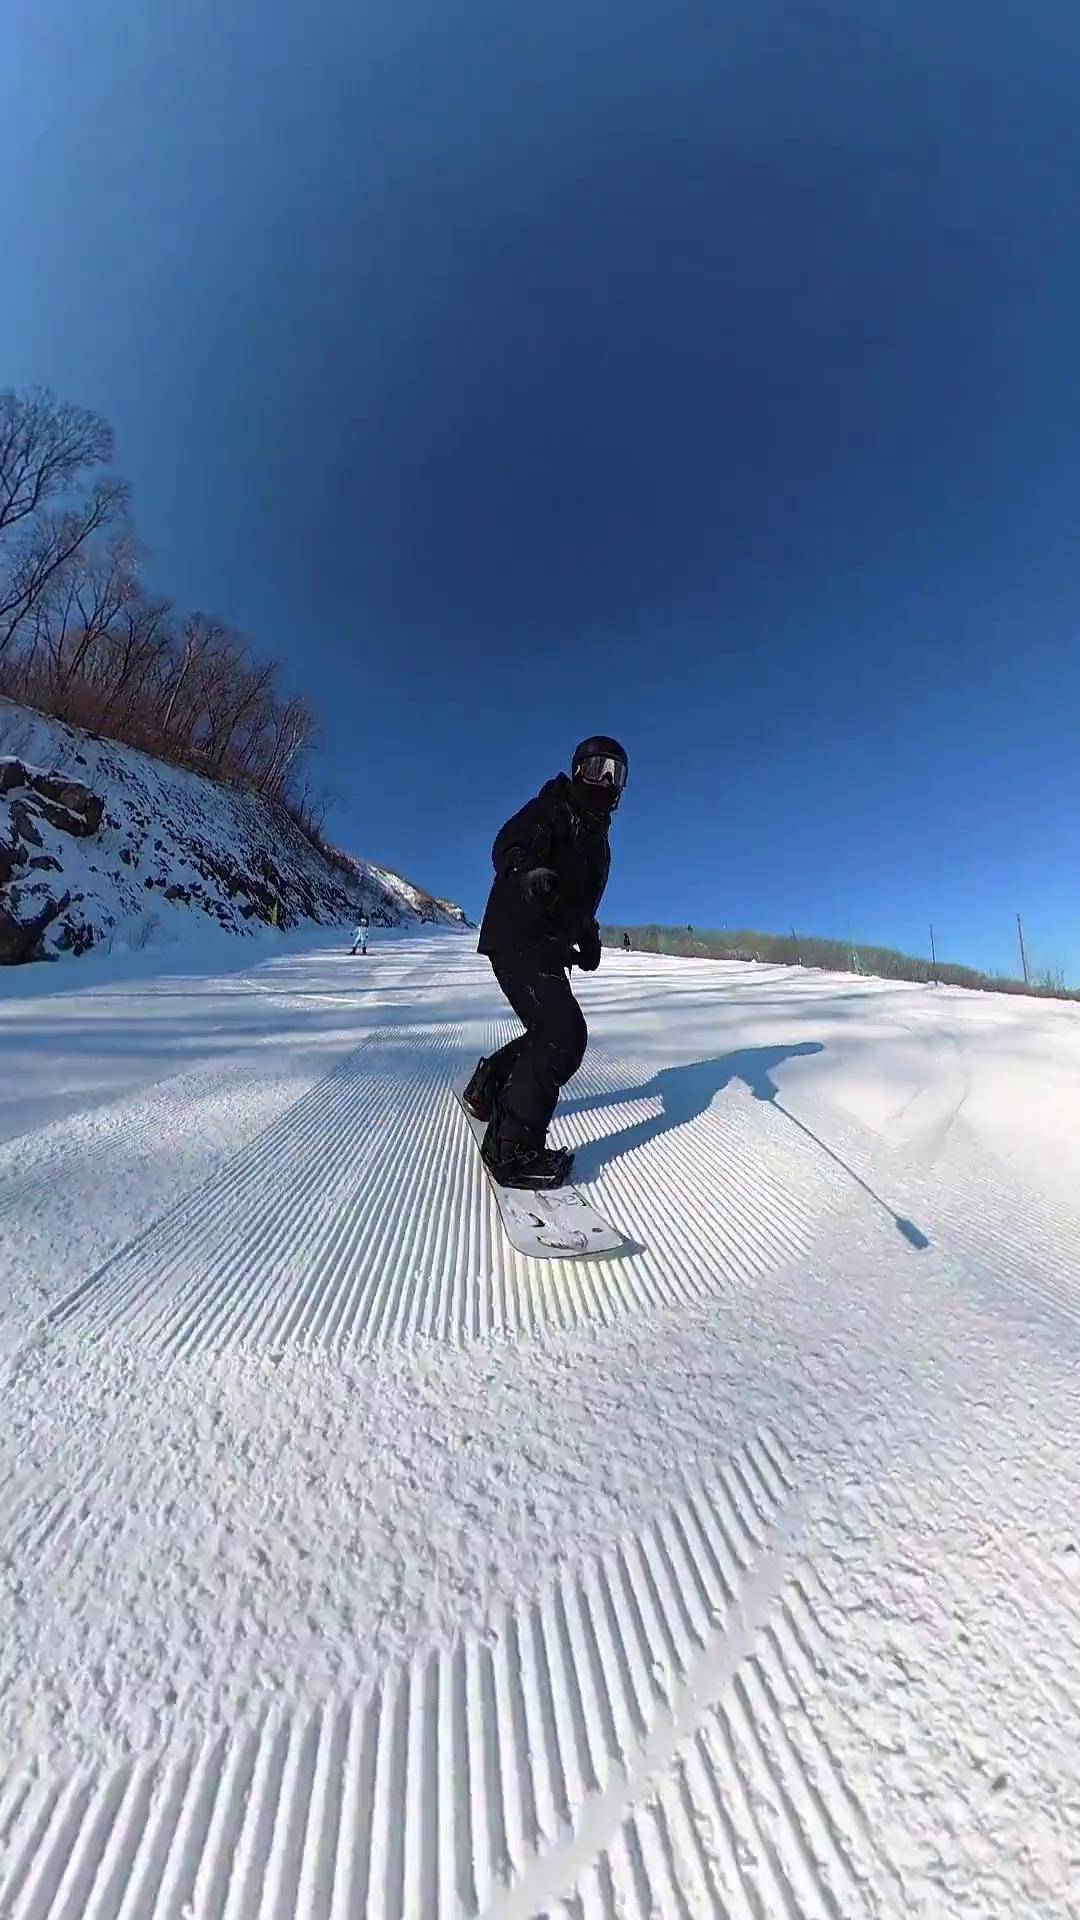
(520, 1165)
(478, 1098)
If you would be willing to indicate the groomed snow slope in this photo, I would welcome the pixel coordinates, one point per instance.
(354, 1566)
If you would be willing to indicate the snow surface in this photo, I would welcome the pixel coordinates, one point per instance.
(354, 1565)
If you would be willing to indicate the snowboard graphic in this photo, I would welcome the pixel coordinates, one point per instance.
(558, 1224)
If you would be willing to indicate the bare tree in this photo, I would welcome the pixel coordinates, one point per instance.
(235, 693)
(49, 544)
(45, 444)
(102, 585)
(139, 642)
(45, 628)
(295, 730)
(311, 808)
(201, 634)
(79, 636)
(252, 742)
(318, 807)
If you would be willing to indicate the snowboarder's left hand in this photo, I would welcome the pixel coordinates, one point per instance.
(587, 951)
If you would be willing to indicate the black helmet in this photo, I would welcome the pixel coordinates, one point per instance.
(600, 766)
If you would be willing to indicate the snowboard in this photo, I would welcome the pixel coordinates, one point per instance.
(556, 1224)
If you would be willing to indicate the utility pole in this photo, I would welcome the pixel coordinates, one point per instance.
(933, 952)
(1023, 955)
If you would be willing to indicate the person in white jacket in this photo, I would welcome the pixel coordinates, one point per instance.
(360, 936)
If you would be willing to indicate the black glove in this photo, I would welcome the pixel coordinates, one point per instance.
(540, 885)
(587, 951)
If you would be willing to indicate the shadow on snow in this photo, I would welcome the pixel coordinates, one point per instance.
(686, 1093)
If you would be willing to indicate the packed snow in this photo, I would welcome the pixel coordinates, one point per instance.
(355, 1565)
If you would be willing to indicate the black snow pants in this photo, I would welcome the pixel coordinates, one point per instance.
(530, 1071)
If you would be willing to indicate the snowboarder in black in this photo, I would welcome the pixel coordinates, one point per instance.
(551, 867)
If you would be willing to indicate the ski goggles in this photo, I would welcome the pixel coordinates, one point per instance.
(602, 770)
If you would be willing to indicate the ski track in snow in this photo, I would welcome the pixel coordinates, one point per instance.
(355, 1565)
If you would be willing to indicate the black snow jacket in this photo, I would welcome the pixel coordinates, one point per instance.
(549, 832)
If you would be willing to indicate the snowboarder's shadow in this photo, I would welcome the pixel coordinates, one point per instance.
(685, 1094)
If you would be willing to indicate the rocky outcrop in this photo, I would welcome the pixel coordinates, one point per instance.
(68, 804)
(36, 802)
(21, 939)
(103, 844)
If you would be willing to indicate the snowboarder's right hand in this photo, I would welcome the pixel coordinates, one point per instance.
(540, 885)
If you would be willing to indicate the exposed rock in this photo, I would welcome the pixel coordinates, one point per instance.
(24, 823)
(38, 800)
(66, 819)
(21, 940)
(76, 799)
(67, 804)
(75, 937)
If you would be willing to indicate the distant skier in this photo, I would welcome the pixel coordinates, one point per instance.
(626, 943)
(360, 936)
(551, 867)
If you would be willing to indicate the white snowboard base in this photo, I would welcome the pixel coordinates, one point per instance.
(556, 1224)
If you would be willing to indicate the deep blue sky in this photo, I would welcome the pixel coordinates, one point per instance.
(708, 374)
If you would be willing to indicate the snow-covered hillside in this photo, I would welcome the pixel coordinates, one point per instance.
(354, 1566)
(100, 844)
